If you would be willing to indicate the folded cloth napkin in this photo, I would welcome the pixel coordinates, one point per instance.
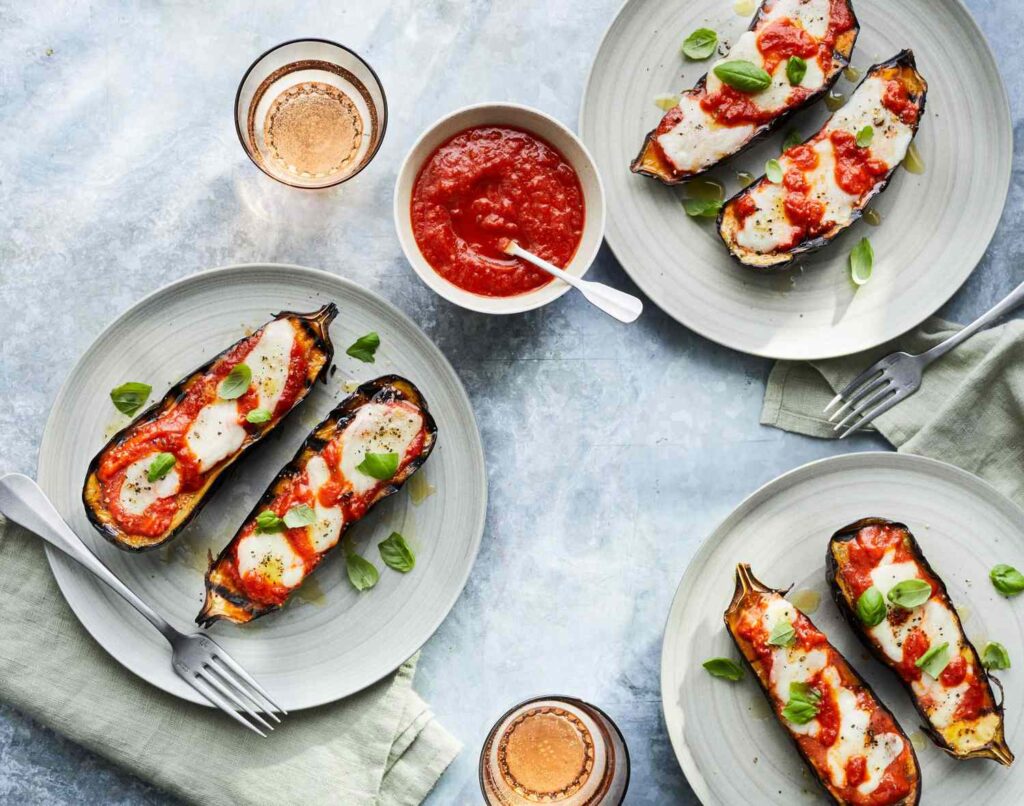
(381, 746)
(969, 410)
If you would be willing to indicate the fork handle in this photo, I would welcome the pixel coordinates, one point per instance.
(24, 503)
(1004, 306)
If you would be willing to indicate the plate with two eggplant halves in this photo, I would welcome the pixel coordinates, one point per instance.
(278, 455)
(840, 638)
(789, 178)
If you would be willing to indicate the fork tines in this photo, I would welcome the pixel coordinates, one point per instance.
(870, 394)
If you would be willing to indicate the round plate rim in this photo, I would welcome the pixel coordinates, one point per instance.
(59, 565)
(783, 481)
(637, 276)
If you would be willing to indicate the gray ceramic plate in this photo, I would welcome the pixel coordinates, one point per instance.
(329, 641)
(730, 746)
(935, 227)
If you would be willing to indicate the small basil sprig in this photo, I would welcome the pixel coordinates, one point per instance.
(910, 593)
(129, 397)
(700, 44)
(365, 347)
(257, 416)
(743, 76)
(862, 258)
(381, 466)
(299, 515)
(871, 607)
(236, 383)
(160, 466)
(702, 208)
(793, 138)
(934, 660)
(803, 704)
(782, 633)
(995, 656)
(1007, 579)
(865, 136)
(796, 69)
(773, 170)
(268, 521)
(396, 553)
(361, 572)
(725, 668)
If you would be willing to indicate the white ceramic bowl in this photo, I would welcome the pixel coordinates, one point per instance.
(535, 122)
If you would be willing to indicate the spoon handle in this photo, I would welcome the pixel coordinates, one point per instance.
(624, 307)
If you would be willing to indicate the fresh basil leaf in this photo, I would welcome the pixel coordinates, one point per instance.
(862, 258)
(268, 521)
(1007, 579)
(773, 170)
(934, 660)
(743, 76)
(871, 607)
(865, 136)
(365, 347)
(129, 397)
(361, 572)
(396, 553)
(236, 383)
(257, 416)
(793, 138)
(724, 668)
(803, 703)
(910, 593)
(160, 466)
(299, 515)
(702, 208)
(700, 44)
(796, 69)
(379, 465)
(782, 633)
(995, 656)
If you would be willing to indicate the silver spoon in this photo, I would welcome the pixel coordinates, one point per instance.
(624, 307)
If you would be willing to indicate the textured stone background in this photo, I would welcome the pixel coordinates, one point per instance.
(612, 450)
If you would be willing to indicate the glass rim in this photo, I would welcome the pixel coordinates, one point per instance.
(565, 698)
(383, 123)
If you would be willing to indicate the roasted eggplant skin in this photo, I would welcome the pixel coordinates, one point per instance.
(314, 325)
(902, 67)
(997, 749)
(748, 585)
(225, 601)
(649, 162)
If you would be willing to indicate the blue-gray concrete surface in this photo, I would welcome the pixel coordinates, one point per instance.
(612, 450)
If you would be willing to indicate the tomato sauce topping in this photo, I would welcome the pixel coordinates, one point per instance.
(167, 434)
(336, 491)
(897, 100)
(866, 550)
(856, 170)
(783, 38)
(488, 185)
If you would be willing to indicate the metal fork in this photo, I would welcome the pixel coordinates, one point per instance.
(897, 376)
(197, 658)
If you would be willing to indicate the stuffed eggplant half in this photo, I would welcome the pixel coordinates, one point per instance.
(852, 743)
(364, 451)
(155, 475)
(825, 183)
(716, 120)
(900, 609)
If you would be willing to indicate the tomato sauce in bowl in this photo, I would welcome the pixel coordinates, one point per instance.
(488, 185)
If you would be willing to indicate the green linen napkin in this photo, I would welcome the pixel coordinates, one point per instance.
(380, 747)
(969, 410)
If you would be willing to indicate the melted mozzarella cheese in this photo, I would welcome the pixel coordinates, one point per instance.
(887, 574)
(271, 558)
(767, 227)
(839, 205)
(377, 428)
(138, 492)
(698, 140)
(813, 15)
(945, 700)
(891, 137)
(270, 360)
(215, 434)
(325, 531)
